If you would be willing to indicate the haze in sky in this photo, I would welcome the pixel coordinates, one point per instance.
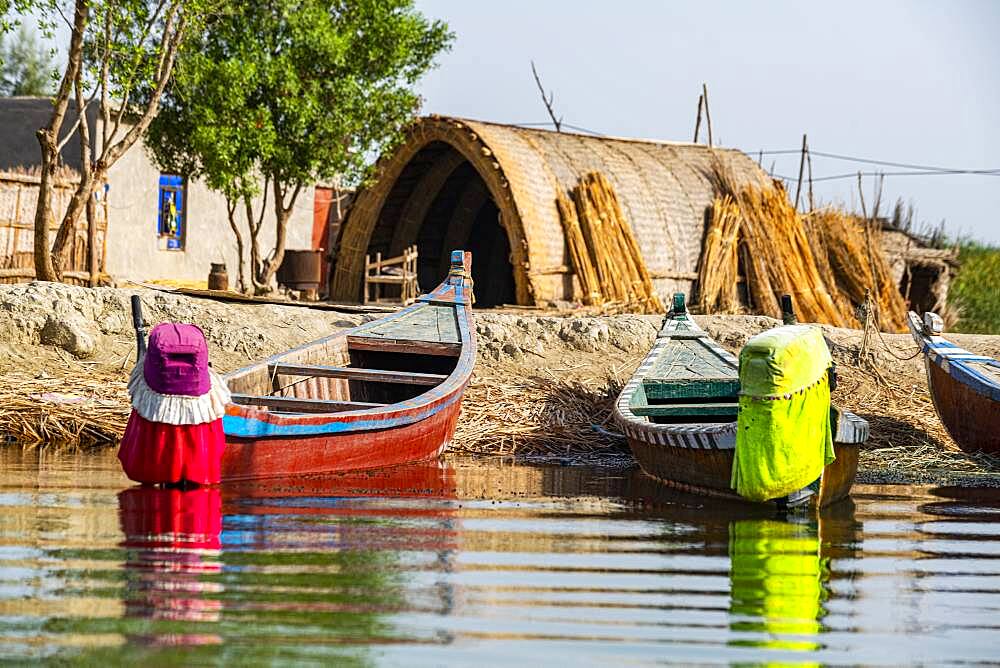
(910, 82)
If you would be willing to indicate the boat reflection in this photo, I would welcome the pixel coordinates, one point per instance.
(172, 542)
(777, 579)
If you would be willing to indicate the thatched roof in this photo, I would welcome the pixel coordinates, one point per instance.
(452, 180)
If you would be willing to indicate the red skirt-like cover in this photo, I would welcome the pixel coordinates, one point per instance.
(152, 452)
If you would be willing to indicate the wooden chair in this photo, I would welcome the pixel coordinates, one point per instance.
(401, 271)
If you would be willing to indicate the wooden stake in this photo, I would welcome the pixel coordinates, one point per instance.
(697, 120)
(708, 116)
(809, 162)
(802, 165)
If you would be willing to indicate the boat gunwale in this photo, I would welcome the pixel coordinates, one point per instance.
(392, 415)
(953, 361)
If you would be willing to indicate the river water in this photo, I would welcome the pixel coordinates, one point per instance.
(482, 562)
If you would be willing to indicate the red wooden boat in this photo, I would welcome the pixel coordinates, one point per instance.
(965, 387)
(384, 393)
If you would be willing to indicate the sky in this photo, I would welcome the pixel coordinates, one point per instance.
(913, 82)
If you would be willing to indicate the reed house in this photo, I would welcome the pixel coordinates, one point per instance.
(501, 191)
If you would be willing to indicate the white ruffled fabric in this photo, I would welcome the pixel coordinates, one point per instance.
(178, 408)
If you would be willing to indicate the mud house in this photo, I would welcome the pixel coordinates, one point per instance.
(151, 225)
(492, 189)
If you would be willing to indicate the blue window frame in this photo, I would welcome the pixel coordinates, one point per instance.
(171, 220)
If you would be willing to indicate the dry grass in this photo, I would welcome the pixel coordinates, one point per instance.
(535, 415)
(81, 410)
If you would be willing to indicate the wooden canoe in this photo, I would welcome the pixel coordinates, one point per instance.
(678, 413)
(384, 393)
(965, 387)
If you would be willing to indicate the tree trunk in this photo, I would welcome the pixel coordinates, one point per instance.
(43, 211)
(255, 260)
(231, 212)
(281, 215)
(77, 205)
(48, 140)
(93, 263)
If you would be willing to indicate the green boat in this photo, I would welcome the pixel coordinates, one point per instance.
(678, 412)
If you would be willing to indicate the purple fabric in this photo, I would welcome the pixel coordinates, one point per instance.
(177, 360)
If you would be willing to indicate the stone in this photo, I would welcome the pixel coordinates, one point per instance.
(71, 332)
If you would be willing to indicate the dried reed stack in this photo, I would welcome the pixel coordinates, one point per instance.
(821, 259)
(840, 238)
(579, 255)
(603, 249)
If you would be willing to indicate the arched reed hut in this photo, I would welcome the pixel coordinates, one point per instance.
(491, 188)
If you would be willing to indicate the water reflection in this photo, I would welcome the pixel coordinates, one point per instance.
(482, 562)
(777, 578)
(172, 543)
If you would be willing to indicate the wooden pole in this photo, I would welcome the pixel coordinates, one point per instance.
(708, 116)
(15, 231)
(802, 166)
(697, 120)
(809, 163)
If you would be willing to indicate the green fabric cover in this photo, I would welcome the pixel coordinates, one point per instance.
(784, 437)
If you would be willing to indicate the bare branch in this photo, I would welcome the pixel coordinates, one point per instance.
(547, 100)
(708, 115)
(172, 36)
(105, 83)
(147, 29)
(69, 24)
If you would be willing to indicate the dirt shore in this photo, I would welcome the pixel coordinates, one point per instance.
(55, 335)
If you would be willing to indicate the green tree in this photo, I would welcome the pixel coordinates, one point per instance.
(291, 92)
(120, 58)
(25, 65)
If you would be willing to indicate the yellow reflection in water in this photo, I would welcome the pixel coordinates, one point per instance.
(776, 575)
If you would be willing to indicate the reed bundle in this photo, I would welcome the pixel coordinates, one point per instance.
(826, 260)
(855, 261)
(81, 411)
(603, 248)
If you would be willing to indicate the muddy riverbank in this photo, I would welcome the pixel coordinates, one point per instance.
(542, 385)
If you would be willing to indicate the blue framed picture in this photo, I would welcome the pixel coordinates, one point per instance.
(170, 221)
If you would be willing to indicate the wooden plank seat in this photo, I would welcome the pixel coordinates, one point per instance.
(726, 409)
(355, 373)
(296, 405)
(390, 279)
(404, 346)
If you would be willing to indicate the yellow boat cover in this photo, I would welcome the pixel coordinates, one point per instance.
(784, 438)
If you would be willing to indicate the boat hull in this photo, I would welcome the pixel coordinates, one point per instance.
(965, 387)
(248, 458)
(972, 419)
(708, 472)
(384, 393)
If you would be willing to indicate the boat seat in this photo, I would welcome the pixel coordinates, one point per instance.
(411, 346)
(356, 373)
(714, 410)
(297, 405)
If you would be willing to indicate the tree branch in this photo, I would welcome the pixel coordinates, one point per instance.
(547, 100)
